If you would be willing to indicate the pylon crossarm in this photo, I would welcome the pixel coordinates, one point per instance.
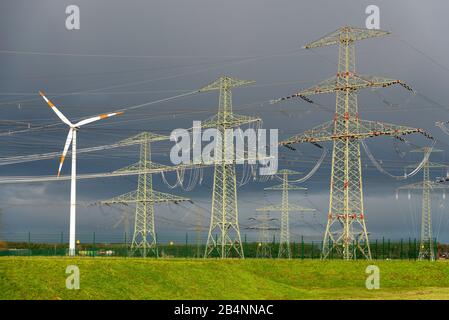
(288, 172)
(368, 129)
(261, 228)
(281, 187)
(280, 207)
(345, 34)
(429, 164)
(321, 133)
(365, 129)
(412, 186)
(420, 186)
(160, 197)
(438, 186)
(232, 120)
(325, 86)
(144, 137)
(349, 81)
(148, 165)
(126, 198)
(133, 197)
(226, 82)
(361, 81)
(344, 82)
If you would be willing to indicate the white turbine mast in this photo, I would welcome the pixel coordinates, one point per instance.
(71, 139)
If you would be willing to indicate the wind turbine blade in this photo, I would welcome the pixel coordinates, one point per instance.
(53, 107)
(66, 148)
(93, 119)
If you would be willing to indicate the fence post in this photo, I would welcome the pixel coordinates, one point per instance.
(400, 254)
(29, 243)
(354, 250)
(383, 248)
(414, 249)
(435, 248)
(187, 243)
(409, 247)
(125, 243)
(245, 246)
(375, 249)
(157, 245)
(388, 249)
(93, 244)
(311, 253)
(302, 247)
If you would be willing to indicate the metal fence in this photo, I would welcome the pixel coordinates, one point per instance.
(192, 246)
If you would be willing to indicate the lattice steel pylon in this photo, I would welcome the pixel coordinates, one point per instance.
(426, 249)
(145, 197)
(263, 227)
(285, 208)
(224, 213)
(199, 228)
(346, 233)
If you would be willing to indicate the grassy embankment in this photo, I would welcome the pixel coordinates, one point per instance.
(127, 278)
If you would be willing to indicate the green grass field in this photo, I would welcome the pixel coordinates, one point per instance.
(127, 278)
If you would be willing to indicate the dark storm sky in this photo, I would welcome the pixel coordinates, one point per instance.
(131, 52)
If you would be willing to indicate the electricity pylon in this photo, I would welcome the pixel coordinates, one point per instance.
(346, 230)
(145, 197)
(285, 208)
(199, 228)
(224, 213)
(426, 250)
(263, 236)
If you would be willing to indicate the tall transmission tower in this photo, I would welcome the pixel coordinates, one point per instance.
(346, 233)
(426, 249)
(145, 197)
(199, 228)
(224, 214)
(263, 227)
(285, 208)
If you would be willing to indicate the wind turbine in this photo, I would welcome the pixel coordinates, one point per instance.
(71, 139)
